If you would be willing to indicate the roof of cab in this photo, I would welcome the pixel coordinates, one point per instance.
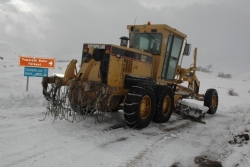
(158, 26)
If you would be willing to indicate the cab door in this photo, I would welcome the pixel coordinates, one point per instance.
(172, 56)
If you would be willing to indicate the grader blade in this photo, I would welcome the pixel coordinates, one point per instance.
(191, 111)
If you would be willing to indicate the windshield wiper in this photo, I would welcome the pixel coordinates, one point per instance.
(151, 36)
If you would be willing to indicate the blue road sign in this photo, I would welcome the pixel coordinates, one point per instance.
(35, 72)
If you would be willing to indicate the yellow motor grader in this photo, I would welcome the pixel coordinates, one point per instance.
(144, 79)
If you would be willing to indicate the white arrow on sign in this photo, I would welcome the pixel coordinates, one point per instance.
(50, 63)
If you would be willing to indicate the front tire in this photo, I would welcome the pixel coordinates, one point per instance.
(211, 100)
(165, 104)
(139, 107)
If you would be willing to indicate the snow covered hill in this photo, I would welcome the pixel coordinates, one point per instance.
(25, 140)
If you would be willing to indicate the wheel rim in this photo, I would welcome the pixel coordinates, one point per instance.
(214, 101)
(166, 105)
(145, 107)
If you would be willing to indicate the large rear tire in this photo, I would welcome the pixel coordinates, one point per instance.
(165, 104)
(139, 107)
(211, 100)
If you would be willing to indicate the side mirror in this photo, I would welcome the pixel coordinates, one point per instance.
(187, 49)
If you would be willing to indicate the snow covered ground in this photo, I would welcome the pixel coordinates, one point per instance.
(27, 141)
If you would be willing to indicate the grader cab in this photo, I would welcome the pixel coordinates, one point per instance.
(142, 76)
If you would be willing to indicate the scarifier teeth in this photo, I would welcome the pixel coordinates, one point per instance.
(60, 106)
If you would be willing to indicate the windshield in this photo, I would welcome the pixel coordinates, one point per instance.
(149, 42)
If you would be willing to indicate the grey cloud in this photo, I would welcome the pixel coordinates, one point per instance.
(71, 24)
(220, 31)
(4, 1)
(59, 28)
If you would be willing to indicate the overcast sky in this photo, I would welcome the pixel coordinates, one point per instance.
(58, 28)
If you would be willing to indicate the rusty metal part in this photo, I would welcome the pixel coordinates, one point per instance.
(72, 102)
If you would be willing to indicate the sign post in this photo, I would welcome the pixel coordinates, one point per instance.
(37, 66)
(27, 84)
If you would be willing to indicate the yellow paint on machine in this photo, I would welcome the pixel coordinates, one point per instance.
(115, 78)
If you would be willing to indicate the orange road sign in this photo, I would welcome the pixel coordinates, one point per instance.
(41, 62)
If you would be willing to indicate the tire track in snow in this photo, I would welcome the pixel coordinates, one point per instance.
(181, 135)
(172, 134)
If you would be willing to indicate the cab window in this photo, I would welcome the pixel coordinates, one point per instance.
(172, 55)
(149, 42)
